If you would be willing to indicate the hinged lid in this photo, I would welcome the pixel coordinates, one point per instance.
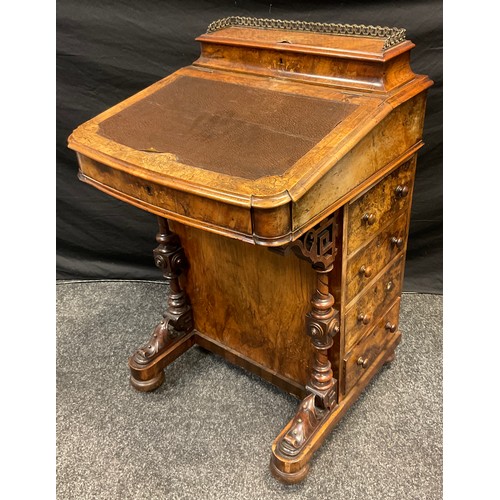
(268, 110)
(347, 55)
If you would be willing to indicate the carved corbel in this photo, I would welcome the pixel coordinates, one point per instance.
(177, 320)
(322, 324)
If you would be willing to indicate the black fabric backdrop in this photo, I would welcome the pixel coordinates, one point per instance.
(109, 50)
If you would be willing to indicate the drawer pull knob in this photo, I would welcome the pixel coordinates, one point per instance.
(364, 318)
(363, 362)
(389, 286)
(391, 326)
(397, 242)
(368, 218)
(365, 271)
(401, 191)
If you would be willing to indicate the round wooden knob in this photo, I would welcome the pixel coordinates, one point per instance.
(397, 242)
(368, 218)
(391, 327)
(362, 362)
(364, 318)
(401, 191)
(365, 271)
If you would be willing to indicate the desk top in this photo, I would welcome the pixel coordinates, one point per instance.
(203, 124)
(265, 114)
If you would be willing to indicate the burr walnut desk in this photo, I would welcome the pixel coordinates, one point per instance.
(280, 165)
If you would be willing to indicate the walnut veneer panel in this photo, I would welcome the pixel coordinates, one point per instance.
(165, 201)
(394, 139)
(372, 303)
(368, 349)
(250, 299)
(292, 135)
(370, 259)
(375, 209)
(364, 45)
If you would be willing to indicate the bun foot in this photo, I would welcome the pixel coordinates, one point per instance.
(148, 385)
(289, 477)
(390, 358)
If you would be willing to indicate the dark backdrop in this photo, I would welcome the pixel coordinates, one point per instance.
(111, 49)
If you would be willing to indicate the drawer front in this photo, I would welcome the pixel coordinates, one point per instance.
(377, 207)
(361, 316)
(364, 265)
(365, 353)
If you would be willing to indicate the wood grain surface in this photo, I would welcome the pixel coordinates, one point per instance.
(382, 203)
(267, 134)
(163, 149)
(367, 351)
(365, 264)
(251, 300)
(373, 302)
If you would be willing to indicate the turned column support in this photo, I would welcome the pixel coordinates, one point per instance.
(322, 324)
(171, 335)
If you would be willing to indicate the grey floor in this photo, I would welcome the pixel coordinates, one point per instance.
(206, 433)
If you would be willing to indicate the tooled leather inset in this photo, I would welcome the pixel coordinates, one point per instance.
(226, 128)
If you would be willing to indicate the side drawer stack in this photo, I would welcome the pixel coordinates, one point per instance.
(376, 229)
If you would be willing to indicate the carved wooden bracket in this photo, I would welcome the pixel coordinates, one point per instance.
(317, 245)
(305, 422)
(169, 256)
(177, 320)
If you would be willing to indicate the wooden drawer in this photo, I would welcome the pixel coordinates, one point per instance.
(362, 315)
(364, 353)
(378, 206)
(364, 265)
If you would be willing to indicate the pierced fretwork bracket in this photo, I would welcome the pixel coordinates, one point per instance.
(317, 245)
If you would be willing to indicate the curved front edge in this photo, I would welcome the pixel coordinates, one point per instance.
(272, 219)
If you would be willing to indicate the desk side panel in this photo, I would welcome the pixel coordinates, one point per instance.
(251, 300)
(397, 136)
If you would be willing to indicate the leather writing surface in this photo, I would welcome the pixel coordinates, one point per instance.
(226, 128)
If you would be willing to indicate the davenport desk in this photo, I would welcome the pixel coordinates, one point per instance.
(281, 166)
